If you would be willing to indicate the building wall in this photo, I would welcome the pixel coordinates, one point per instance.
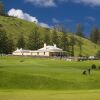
(17, 54)
(34, 53)
(27, 54)
(39, 54)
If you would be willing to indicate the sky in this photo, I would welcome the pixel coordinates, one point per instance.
(48, 13)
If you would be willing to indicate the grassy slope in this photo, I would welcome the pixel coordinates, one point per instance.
(15, 26)
(46, 74)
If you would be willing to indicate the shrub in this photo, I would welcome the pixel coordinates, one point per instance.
(21, 60)
(99, 67)
(98, 54)
(93, 66)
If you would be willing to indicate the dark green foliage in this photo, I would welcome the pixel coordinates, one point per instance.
(99, 67)
(72, 44)
(93, 66)
(95, 35)
(34, 40)
(54, 38)
(98, 54)
(6, 44)
(80, 44)
(64, 41)
(47, 37)
(11, 46)
(3, 41)
(21, 41)
(79, 30)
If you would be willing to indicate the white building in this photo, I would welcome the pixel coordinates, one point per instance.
(45, 51)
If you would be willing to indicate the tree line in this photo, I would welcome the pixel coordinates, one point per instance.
(35, 40)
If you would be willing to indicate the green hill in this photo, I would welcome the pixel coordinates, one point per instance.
(14, 27)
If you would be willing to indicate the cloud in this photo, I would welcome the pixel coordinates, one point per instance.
(42, 3)
(56, 21)
(54, 3)
(89, 2)
(86, 2)
(44, 25)
(91, 18)
(25, 16)
(20, 14)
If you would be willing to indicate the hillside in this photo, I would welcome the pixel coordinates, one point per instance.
(14, 27)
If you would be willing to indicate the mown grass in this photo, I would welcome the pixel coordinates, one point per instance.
(47, 74)
(25, 78)
(49, 95)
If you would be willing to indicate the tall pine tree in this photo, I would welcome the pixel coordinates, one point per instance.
(34, 40)
(21, 41)
(72, 45)
(55, 38)
(6, 45)
(64, 41)
(79, 30)
(46, 36)
(95, 35)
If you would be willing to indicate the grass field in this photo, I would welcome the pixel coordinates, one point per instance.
(49, 95)
(47, 79)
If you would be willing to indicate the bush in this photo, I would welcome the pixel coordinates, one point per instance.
(98, 54)
(21, 60)
(93, 66)
(99, 67)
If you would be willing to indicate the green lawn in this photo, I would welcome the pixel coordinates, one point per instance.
(49, 95)
(47, 79)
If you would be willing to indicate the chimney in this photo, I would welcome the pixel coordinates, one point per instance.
(55, 45)
(45, 45)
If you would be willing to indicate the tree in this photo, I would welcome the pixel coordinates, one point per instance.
(3, 42)
(79, 30)
(95, 35)
(46, 37)
(11, 46)
(2, 11)
(55, 38)
(98, 54)
(72, 44)
(6, 45)
(21, 41)
(64, 41)
(80, 44)
(34, 40)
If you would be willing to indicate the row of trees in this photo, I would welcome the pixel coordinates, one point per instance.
(61, 39)
(35, 40)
